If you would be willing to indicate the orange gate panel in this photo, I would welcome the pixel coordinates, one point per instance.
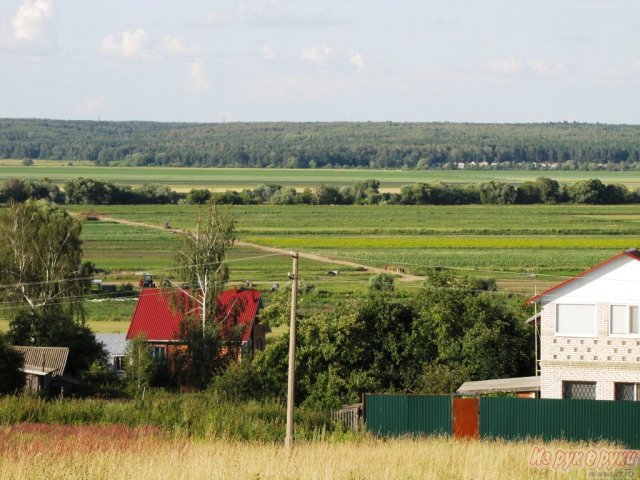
(465, 417)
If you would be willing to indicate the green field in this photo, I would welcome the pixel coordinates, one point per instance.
(509, 243)
(183, 178)
(555, 240)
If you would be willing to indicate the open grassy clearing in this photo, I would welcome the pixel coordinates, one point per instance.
(100, 452)
(239, 178)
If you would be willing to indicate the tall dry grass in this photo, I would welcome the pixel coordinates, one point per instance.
(34, 452)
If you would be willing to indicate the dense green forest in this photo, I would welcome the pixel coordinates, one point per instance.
(313, 145)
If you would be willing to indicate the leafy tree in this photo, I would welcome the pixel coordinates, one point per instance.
(40, 262)
(495, 192)
(13, 189)
(199, 196)
(328, 195)
(208, 352)
(40, 257)
(549, 190)
(88, 191)
(470, 330)
(211, 334)
(139, 365)
(11, 378)
(381, 282)
(452, 330)
(201, 263)
(528, 193)
(588, 191)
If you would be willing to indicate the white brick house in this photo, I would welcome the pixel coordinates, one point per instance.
(590, 333)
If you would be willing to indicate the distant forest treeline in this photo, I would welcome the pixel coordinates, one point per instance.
(366, 192)
(333, 145)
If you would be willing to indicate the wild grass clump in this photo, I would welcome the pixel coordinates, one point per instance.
(196, 415)
(38, 452)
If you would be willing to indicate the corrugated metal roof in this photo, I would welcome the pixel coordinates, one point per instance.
(518, 384)
(155, 318)
(44, 359)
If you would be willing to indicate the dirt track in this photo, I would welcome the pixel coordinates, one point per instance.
(311, 256)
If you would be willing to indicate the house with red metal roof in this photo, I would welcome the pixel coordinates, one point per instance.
(590, 332)
(155, 318)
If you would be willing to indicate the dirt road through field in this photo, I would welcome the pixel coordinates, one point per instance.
(406, 277)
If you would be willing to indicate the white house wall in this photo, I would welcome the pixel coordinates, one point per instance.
(603, 359)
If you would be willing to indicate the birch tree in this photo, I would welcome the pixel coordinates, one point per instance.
(201, 260)
(43, 280)
(41, 258)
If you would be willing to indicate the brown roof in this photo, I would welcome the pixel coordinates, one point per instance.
(43, 360)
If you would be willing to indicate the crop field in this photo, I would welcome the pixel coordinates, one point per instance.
(183, 178)
(509, 243)
(550, 240)
(105, 452)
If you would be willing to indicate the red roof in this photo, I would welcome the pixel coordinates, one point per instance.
(632, 253)
(154, 318)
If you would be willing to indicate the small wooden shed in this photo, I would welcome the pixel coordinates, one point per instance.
(42, 365)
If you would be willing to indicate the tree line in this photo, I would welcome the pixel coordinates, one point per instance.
(365, 192)
(325, 145)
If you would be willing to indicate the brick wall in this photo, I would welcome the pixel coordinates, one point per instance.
(602, 359)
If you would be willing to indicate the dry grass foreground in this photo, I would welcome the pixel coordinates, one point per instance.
(37, 451)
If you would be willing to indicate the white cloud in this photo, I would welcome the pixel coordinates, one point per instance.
(178, 47)
(198, 78)
(90, 105)
(268, 53)
(138, 46)
(356, 59)
(129, 45)
(519, 66)
(317, 55)
(30, 24)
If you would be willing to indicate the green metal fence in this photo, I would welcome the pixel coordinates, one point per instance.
(577, 420)
(508, 418)
(408, 414)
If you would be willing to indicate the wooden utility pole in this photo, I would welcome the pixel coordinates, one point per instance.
(288, 439)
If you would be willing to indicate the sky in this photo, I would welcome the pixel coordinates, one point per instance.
(335, 60)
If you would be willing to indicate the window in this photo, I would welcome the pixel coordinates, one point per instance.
(579, 390)
(158, 353)
(576, 320)
(627, 391)
(625, 319)
(118, 363)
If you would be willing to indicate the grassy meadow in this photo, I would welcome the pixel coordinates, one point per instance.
(185, 178)
(34, 452)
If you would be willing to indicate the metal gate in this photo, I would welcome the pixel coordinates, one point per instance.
(466, 422)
